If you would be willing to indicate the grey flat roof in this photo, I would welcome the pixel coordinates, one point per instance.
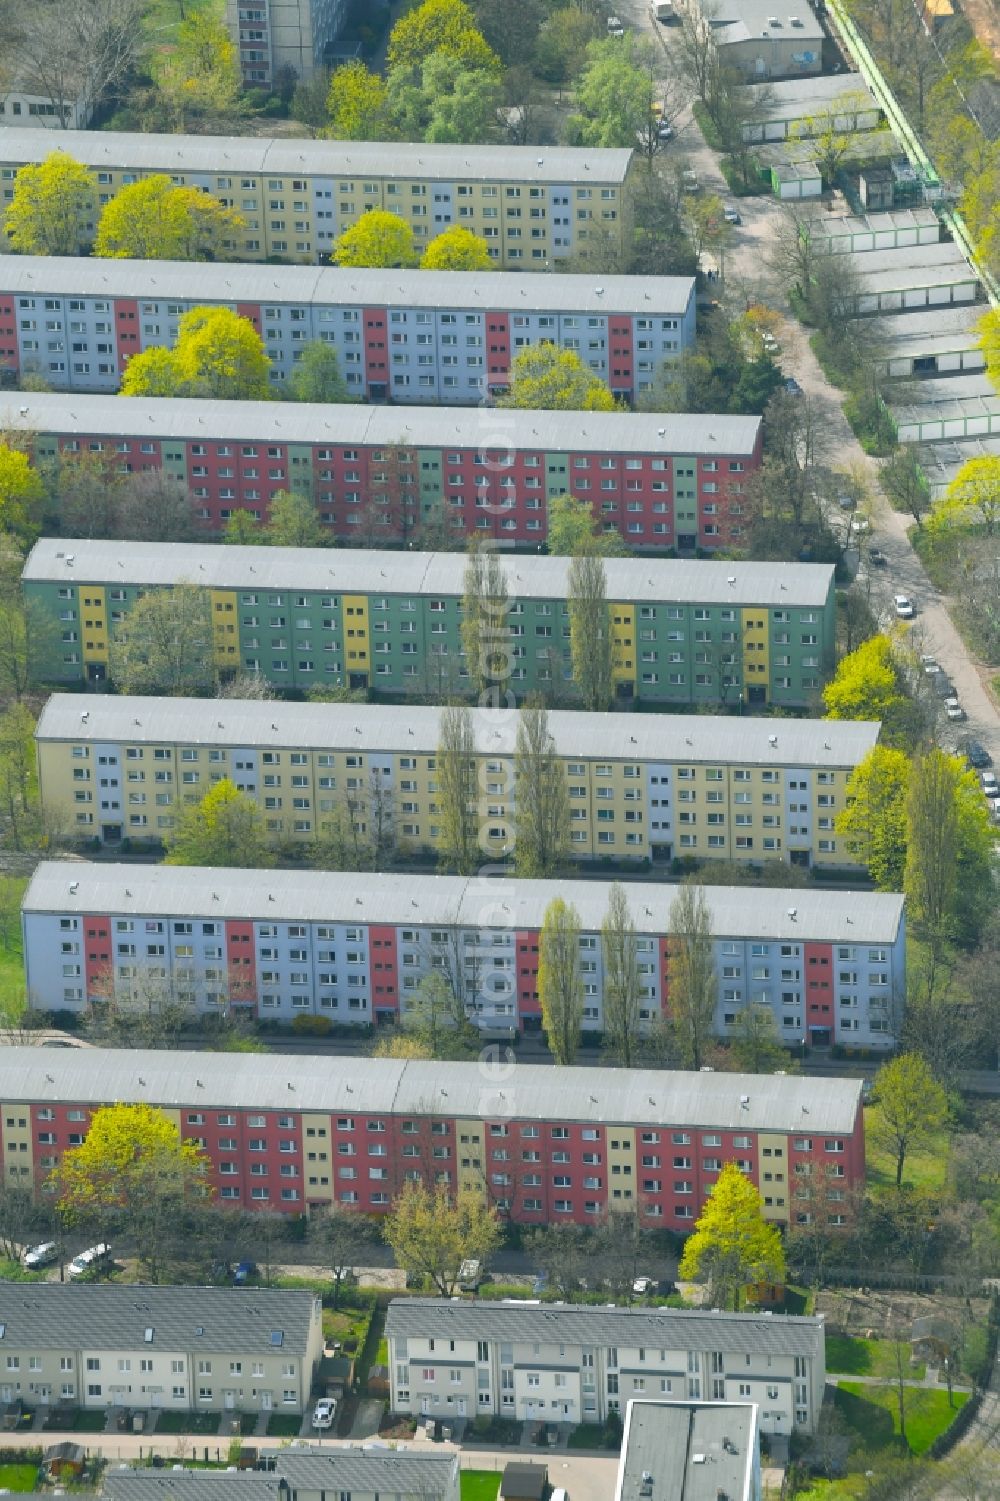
(177, 1079)
(396, 1471)
(800, 585)
(400, 160)
(757, 16)
(796, 98)
(76, 276)
(946, 390)
(423, 427)
(876, 222)
(468, 901)
(691, 1451)
(694, 738)
(585, 1324)
(927, 331)
(942, 406)
(104, 1316)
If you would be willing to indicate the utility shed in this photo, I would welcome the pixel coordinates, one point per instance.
(806, 106)
(524, 1482)
(941, 461)
(914, 277)
(844, 233)
(792, 180)
(966, 406)
(930, 341)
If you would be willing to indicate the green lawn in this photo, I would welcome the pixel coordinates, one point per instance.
(19, 1477)
(188, 1422)
(283, 1425)
(925, 1169)
(848, 1356)
(871, 1411)
(12, 994)
(849, 1488)
(480, 1485)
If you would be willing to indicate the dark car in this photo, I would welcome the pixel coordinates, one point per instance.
(943, 686)
(877, 558)
(976, 754)
(792, 386)
(244, 1271)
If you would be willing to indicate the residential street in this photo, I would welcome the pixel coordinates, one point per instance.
(749, 278)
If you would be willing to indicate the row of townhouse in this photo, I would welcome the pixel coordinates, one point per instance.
(302, 1473)
(273, 36)
(639, 789)
(376, 473)
(546, 1146)
(533, 205)
(828, 966)
(410, 336)
(390, 622)
(175, 1348)
(566, 1364)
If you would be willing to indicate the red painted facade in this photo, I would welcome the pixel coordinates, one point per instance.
(497, 490)
(240, 958)
(127, 330)
(819, 997)
(98, 956)
(538, 1172)
(8, 335)
(384, 970)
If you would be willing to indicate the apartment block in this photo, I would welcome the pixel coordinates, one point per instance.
(114, 768)
(375, 474)
(534, 205)
(273, 36)
(292, 1133)
(301, 1474)
(683, 632)
(174, 1348)
(442, 337)
(685, 1450)
(567, 1364)
(827, 966)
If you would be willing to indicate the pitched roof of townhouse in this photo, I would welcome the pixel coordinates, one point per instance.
(50, 1315)
(584, 1324)
(398, 1472)
(275, 1081)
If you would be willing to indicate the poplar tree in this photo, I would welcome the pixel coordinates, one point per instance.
(457, 791)
(541, 799)
(590, 630)
(622, 981)
(560, 982)
(485, 628)
(691, 982)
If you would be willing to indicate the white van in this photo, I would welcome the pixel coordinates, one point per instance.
(88, 1260)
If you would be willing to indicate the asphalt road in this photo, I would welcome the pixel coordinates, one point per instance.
(748, 278)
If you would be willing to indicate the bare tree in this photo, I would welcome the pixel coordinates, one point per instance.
(590, 630)
(458, 790)
(485, 628)
(541, 798)
(82, 49)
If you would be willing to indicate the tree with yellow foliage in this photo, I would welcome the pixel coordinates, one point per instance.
(358, 104)
(456, 249)
(154, 219)
(52, 207)
(201, 76)
(446, 26)
(555, 380)
(379, 238)
(973, 497)
(21, 494)
(733, 1245)
(132, 1175)
(217, 354)
(432, 1231)
(225, 828)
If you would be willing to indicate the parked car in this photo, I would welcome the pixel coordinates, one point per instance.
(38, 1256)
(615, 27)
(243, 1272)
(324, 1412)
(644, 1285)
(976, 754)
(903, 604)
(769, 343)
(689, 181)
(877, 558)
(860, 524)
(989, 781)
(928, 664)
(953, 709)
(89, 1260)
(792, 387)
(731, 214)
(540, 1285)
(664, 131)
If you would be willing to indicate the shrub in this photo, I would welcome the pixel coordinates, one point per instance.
(311, 1026)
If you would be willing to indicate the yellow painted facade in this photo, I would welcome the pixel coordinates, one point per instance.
(622, 1171)
(225, 631)
(756, 662)
(18, 1145)
(318, 1165)
(725, 812)
(623, 649)
(471, 1154)
(773, 1171)
(94, 623)
(282, 214)
(357, 634)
